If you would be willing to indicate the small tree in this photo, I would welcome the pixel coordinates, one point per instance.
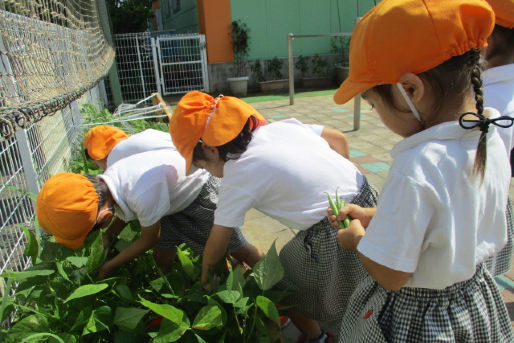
(302, 64)
(240, 45)
(274, 69)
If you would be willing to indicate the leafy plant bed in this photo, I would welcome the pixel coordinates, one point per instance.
(58, 298)
(274, 86)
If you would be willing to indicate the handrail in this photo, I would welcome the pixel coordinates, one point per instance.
(357, 98)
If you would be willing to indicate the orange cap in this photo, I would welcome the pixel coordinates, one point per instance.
(66, 207)
(215, 121)
(100, 140)
(504, 12)
(402, 36)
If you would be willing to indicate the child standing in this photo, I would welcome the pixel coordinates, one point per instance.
(441, 209)
(281, 169)
(151, 187)
(499, 94)
(104, 144)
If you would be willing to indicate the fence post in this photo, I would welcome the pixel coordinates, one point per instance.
(26, 160)
(155, 65)
(290, 38)
(357, 112)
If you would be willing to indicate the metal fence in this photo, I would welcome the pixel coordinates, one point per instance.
(162, 62)
(27, 160)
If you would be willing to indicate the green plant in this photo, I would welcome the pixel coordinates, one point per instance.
(240, 45)
(274, 69)
(336, 206)
(302, 64)
(58, 298)
(340, 46)
(319, 66)
(257, 72)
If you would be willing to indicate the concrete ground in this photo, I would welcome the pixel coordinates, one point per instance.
(369, 150)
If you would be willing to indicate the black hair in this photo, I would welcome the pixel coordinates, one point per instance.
(452, 80)
(233, 149)
(100, 188)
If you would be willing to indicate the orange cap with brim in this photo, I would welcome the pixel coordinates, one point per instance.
(215, 121)
(402, 36)
(66, 207)
(504, 12)
(100, 140)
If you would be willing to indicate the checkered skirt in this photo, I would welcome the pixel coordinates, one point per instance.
(502, 262)
(471, 311)
(321, 274)
(193, 225)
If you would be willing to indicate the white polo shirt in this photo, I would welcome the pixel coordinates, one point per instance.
(434, 218)
(150, 185)
(284, 173)
(146, 140)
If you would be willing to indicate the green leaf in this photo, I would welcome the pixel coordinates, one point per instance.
(25, 327)
(124, 292)
(229, 297)
(268, 307)
(173, 314)
(268, 271)
(100, 320)
(186, 263)
(35, 337)
(97, 254)
(200, 339)
(20, 276)
(77, 261)
(32, 246)
(236, 280)
(127, 318)
(51, 251)
(61, 271)
(86, 290)
(169, 332)
(208, 317)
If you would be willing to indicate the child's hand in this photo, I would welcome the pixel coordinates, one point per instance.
(349, 238)
(354, 211)
(105, 270)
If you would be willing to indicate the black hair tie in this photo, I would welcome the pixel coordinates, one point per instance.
(483, 122)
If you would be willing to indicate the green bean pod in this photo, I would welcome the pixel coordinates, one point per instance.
(335, 209)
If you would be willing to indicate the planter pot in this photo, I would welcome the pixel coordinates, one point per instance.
(341, 74)
(316, 82)
(238, 85)
(274, 86)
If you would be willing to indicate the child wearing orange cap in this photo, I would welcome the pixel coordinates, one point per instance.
(499, 94)
(282, 169)
(104, 144)
(151, 187)
(441, 210)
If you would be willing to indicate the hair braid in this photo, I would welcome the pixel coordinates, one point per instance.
(476, 81)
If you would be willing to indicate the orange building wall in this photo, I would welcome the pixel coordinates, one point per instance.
(214, 21)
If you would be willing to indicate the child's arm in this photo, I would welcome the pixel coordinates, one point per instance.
(388, 278)
(113, 230)
(149, 237)
(215, 249)
(337, 141)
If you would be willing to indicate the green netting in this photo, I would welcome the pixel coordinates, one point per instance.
(51, 52)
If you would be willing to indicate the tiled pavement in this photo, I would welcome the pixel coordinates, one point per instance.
(369, 150)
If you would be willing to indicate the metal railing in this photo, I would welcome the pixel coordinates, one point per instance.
(356, 99)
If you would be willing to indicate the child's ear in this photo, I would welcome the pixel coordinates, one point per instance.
(104, 215)
(210, 151)
(414, 86)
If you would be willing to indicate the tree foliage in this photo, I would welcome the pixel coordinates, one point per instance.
(130, 16)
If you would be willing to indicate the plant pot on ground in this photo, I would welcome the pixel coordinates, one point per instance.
(274, 82)
(319, 72)
(238, 84)
(340, 47)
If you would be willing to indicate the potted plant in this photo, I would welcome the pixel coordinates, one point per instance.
(240, 44)
(340, 47)
(319, 68)
(275, 83)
